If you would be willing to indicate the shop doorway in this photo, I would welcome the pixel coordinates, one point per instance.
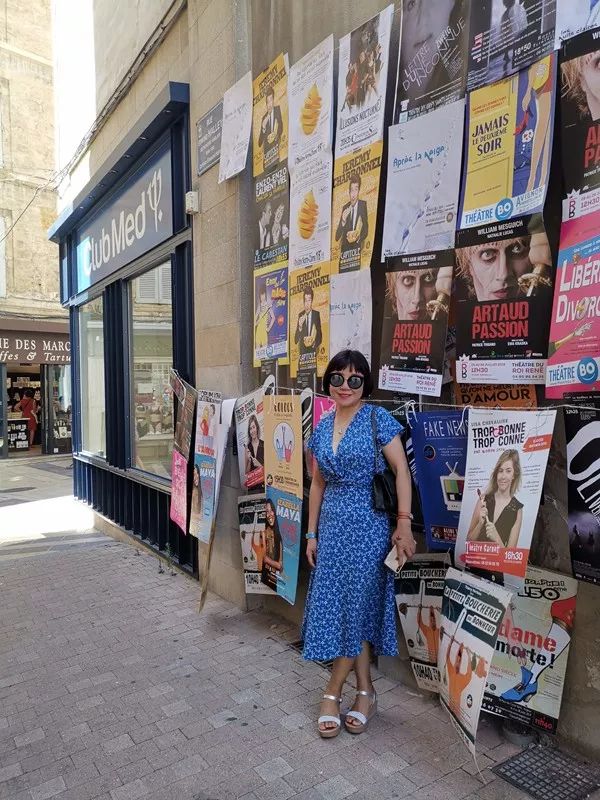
(37, 410)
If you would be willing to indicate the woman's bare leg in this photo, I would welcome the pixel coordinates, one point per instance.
(335, 686)
(362, 670)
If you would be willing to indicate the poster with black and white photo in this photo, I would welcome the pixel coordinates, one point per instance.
(506, 36)
(237, 127)
(575, 16)
(271, 217)
(582, 429)
(432, 69)
(362, 83)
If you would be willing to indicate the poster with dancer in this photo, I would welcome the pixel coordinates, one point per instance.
(419, 587)
(362, 83)
(271, 217)
(507, 453)
(415, 321)
(270, 116)
(575, 16)
(574, 346)
(432, 69)
(423, 179)
(237, 126)
(439, 440)
(508, 144)
(582, 429)
(283, 444)
(178, 507)
(271, 315)
(527, 675)
(506, 36)
(503, 293)
(251, 513)
(472, 611)
(282, 538)
(311, 104)
(354, 208)
(351, 311)
(310, 212)
(249, 432)
(492, 396)
(309, 320)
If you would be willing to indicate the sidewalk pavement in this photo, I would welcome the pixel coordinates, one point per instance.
(112, 686)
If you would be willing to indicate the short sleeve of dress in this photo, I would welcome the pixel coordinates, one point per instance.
(387, 427)
(311, 444)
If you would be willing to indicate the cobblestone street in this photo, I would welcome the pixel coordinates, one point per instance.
(113, 686)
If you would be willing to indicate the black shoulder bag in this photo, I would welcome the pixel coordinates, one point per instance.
(385, 496)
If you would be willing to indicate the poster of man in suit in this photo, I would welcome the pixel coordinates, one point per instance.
(270, 116)
(309, 319)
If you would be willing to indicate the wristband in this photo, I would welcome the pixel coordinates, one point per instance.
(310, 535)
(404, 515)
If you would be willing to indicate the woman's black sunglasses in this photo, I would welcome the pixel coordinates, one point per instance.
(337, 380)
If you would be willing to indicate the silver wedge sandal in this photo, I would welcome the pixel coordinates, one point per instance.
(329, 733)
(359, 716)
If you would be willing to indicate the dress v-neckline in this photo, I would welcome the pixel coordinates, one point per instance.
(336, 450)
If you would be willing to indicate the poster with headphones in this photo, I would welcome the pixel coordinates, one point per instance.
(507, 453)
(527, 675)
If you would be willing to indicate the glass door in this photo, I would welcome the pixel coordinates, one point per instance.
(56, 384)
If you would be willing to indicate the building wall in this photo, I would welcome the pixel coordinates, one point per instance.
(28, 274)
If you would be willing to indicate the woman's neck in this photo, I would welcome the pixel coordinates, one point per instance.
(503, 495)
(345, 413)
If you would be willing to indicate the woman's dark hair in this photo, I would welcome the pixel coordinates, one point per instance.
(28, 392)
(276, 522)
(353, 359)
(253, 419)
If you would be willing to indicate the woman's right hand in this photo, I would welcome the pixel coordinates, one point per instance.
(311, 552)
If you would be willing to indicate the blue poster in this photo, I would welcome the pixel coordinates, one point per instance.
(203, 496)
(283, 518)
(440, 449)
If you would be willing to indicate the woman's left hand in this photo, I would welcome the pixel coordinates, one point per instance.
(404, 540)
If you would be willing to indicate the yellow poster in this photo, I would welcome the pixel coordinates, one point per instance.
(354, 211)
(309, 319)
(283, 443)
(270, 116)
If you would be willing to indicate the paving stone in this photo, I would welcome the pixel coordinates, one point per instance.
(273, 769)
(48, 789)
(388, 763)
(24, 739)
(336, 788)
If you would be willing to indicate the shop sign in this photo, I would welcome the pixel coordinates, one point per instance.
(34, 348)
(139, 217)
(209, 129)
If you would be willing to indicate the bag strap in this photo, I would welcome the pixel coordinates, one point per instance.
(374, 432)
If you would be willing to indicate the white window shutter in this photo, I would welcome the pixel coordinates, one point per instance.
(146, 287)
(164, 272)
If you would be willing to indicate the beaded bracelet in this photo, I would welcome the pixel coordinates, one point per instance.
(311, 535)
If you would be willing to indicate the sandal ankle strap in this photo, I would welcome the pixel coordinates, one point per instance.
(332, 697)
(372, 694)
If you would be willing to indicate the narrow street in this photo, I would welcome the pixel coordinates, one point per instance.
(112, 685)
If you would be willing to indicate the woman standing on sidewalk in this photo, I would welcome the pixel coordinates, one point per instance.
(350, 603)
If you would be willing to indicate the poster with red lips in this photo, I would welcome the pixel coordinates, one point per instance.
(503, 293)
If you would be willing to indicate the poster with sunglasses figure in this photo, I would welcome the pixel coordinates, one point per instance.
(508, 145)
(503, 292)
(432, 69)
(415, 321)
(506, 36)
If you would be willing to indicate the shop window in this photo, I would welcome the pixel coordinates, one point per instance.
(151, 362)
(91, 364)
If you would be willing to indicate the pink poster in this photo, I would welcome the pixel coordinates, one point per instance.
(321, 406)
(179, 490)
(574, 349)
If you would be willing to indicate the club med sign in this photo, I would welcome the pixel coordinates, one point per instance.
(137, 218)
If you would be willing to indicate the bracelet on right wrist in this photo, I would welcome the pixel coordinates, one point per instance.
(310, 535)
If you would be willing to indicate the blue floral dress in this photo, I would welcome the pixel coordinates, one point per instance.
(351, 593)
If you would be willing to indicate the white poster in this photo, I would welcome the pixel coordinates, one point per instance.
(237, 126)
(310, 212)
(507, 452)
(575, 16)
(423, 181)
(362, 83)
(310, 89)
(351, 313)
(250, 436)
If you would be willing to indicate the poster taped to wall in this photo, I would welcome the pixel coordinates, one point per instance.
(251, 512)
(310, 212)
(249, 430)
(237, 126)
(503, 293)
(508, 144)
(507, 454)
(419, 588)
(362, 83)
(186, 408)
(574, 348)
(208, 415)
(432, 69)
(582, 429)
(271, 315)
(351, 311)
(309, 319)
(439, 441)
(506, 37)
(476, 394)
(178, 508)
(311, 104)
(528, 669)
(354, 208)
(271, 217)
(575, 16)
(472, 610)
(423, 180)
(282, 536)
(283, 444)
(413, 338)
(270, 116)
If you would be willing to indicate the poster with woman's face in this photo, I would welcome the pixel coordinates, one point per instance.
(249, 431)
(432, 68)
(417, 298)
(503, 294)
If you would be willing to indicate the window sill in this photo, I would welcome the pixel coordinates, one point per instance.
(132, 474)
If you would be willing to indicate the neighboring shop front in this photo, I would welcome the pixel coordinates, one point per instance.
(126, 275)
